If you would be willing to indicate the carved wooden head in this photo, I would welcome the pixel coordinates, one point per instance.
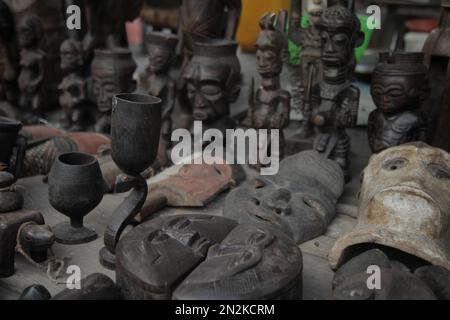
(398, 82)
(213, 79)
(112, 73)
(271, 47)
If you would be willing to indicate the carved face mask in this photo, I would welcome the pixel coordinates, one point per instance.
(197, 184)
(156, 255)
(257, 255)
(300, 199)
(404, 204)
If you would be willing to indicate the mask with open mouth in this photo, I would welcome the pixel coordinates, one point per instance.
(404, 204)
(300, 199)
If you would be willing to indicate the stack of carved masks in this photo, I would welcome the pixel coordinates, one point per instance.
(300, 199)
(207, 257)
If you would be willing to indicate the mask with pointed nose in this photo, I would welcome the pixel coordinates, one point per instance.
(300, 199)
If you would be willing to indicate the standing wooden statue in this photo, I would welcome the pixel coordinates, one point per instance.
(9, 61)
(437, 106)
(32, 58)
(157, 82)
(270, 107)
(112, 73)
(397, 90)
(310, 70)
(339, 98)
(74, 86)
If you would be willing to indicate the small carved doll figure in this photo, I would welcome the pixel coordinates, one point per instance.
(213, 82)
(310, 68)
(339, 99)
(271, 106)
(112, 73)
(74, 88)
(397, 90)
(32, 59)
(9, 59)
(157, 82)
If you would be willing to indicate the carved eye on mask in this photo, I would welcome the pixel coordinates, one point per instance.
(439, 171)
(314, 205)
(211, 90)
(395, 164)
(191, 89)
(179, 224)
(396, 93)
(217, 170)
(157, 236)
(259, 237)
(340, 40)
(259, 184)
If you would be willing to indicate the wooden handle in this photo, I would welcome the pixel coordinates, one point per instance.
(152, 204)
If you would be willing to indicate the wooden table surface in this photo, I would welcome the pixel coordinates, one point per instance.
(317, 275)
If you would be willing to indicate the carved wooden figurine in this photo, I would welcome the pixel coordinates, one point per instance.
(213, 83)
(157, 82)
(112, 73)
(437, 106)
(74, 86)
(32, 58)
(9, 61)
(271, 106)
(339, 99)
(397, 90)
(53, 17)
(309, 73)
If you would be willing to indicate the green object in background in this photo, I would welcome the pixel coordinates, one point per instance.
(294, 50)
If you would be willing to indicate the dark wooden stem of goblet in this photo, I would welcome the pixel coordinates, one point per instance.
(125, 213)
(76, 222)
